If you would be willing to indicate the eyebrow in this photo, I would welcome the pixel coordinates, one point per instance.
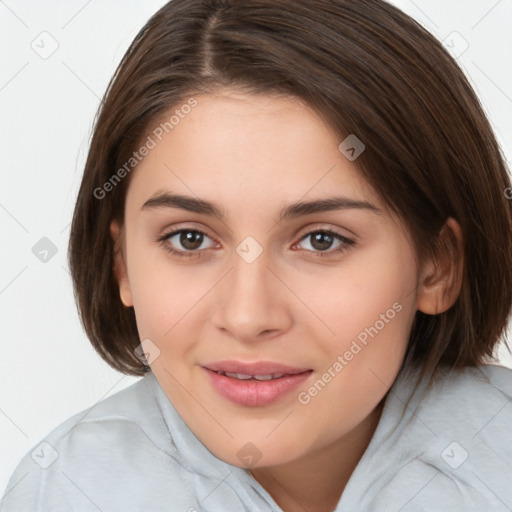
(293, 210)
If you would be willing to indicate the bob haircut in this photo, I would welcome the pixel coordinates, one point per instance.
(365, 67)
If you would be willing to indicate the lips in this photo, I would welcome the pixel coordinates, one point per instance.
(255, 384)
(265, 369)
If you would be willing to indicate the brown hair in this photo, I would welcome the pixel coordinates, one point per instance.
(369, 70)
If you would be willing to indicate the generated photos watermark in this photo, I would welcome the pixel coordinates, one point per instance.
(356, 346)
(151, 142)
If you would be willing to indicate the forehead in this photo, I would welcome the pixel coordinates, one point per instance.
(235, 146)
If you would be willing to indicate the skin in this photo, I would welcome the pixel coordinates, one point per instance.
(252, 155)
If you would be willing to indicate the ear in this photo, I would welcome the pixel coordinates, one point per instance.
(119, 264)
(441, 276)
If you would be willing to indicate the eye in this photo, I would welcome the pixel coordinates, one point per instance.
(321, 242)
(188, 242)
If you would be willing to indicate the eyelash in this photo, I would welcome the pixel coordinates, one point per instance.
(347, 243)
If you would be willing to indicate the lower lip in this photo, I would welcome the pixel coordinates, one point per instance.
(255, 393)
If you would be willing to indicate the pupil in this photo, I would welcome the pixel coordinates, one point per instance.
(191, 239)
(322, 241)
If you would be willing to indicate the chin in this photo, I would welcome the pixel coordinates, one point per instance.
(248, 455)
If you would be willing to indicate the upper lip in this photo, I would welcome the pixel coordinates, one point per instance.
(256, 368)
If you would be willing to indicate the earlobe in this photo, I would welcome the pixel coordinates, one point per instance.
(119, 265)
(441, 277)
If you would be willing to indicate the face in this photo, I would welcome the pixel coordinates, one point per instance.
(244, 271)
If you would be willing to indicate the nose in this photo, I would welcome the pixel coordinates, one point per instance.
(251, 303)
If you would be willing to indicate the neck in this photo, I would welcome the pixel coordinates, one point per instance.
(315, 482)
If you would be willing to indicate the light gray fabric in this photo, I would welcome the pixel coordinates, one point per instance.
(450, 451)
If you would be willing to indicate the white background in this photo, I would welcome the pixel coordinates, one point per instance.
(49, 370)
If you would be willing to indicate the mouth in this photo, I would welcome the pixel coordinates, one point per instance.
(255, 384)
(242, 376)
(262, 370)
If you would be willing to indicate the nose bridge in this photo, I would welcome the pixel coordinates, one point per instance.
(250, 302)
(250, 280)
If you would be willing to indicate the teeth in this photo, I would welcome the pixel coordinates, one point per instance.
(243, 376)
(240, 376)
(268, 377)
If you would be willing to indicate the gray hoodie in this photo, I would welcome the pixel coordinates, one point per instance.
(449, 450)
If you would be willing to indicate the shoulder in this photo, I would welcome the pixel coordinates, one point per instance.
(474, 400)
(475, 387)
(92, 451)
(490, 379)
(448, 445)
(470, 408)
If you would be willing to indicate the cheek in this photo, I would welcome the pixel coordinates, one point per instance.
(371, 294)
(370, 308)
(167, 296)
